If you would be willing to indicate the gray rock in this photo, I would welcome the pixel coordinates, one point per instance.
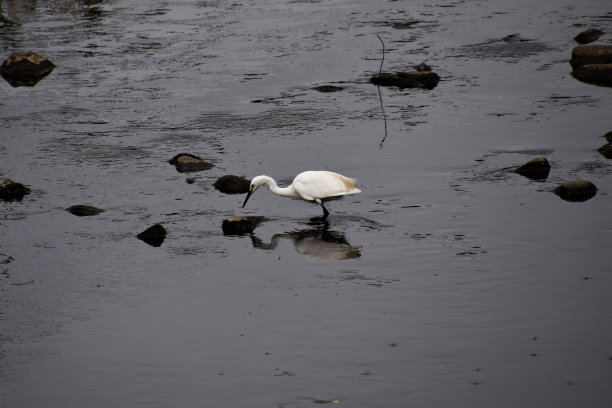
(230, 184)
(535, 169)
(591, 54)
(12, 191)
(576, 190)
(24, 68)
(82, 210)
(412, 79)
(588, 36)
(606, 150)
(597, 74)
(188, 163)
(154, 235)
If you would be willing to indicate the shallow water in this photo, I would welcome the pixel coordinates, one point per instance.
(449, 281)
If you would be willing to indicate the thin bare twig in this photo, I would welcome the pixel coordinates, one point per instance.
(383, 55)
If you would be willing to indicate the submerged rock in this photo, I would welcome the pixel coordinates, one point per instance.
(25, 68)
(328, 88)
(412, 79)
(230, 184)
(588, 36)
(154, 235)
(535, 169)
(12, 191)
(606, 150)
(82, 210)
(187, 163)
(576, 190)
(240, 225)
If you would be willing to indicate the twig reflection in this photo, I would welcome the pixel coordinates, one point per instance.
(382, 107)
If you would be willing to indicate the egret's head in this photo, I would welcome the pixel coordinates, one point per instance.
(255, 183)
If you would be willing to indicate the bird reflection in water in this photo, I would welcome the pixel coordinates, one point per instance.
(317, 244)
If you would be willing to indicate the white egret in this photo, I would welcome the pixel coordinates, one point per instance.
(316, 186)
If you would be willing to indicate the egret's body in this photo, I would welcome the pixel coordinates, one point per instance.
(314, 186)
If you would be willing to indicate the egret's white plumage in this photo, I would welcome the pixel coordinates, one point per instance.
(310, 186)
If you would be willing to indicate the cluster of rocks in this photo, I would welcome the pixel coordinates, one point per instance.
(572, 190)
(155, 235)
(592, 63)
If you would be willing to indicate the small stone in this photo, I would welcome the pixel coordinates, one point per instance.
(240, 225)
(535, 169)
(82, 210)
(153, 236)
(12, 191)
(588, 36)
(25, 68)
(230, 184)
(606, 150)
(187, 163)
(576, 190)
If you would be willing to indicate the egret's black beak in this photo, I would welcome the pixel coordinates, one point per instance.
(247, 197)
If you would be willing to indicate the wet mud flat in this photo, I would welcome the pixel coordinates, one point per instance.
(472, 270)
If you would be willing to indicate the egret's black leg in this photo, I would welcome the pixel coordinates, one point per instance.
(325, 212)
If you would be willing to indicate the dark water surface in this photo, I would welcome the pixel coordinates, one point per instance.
(448, 282)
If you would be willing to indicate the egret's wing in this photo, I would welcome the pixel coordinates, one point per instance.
(312, 185)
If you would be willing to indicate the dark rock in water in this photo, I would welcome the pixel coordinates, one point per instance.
(11, 191)
(232, 184)
(413, 79)
(591, 54)
(187, 163)
(328, 88)
(597, 74)
(588, 36)
(606, 150)
(608, 136)
(154, 235)
(240, 225)
(535, 169)
(25, 68)
(82, 210)
(576, 190)
(403, 25)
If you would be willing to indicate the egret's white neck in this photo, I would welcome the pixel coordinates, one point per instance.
(281, 191)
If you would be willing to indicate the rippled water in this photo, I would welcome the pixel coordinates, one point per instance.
(449, 281)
